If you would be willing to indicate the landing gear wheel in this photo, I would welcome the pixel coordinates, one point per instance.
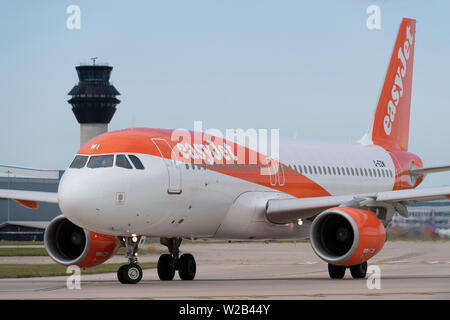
(187, 267)
(120, 274)
(166, 270)
(129, 273)
(359, 271)
(336, 272)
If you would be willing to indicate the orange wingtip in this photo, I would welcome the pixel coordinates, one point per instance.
(27, 203)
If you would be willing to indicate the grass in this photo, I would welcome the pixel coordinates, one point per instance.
(41, 252)
(21, 243)
(44, 270)
(21, 252)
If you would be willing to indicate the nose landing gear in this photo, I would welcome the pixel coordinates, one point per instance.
(169, 263)
(130, 273)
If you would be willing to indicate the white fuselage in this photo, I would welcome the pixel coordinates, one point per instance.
(210, 204)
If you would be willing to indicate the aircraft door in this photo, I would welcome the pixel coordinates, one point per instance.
(173, 167)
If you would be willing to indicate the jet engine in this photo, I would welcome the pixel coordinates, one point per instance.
(347, 236)
(68, 244)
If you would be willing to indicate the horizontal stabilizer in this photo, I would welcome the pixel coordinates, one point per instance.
(424, 171)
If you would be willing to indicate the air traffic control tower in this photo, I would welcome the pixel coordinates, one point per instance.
(93, 100)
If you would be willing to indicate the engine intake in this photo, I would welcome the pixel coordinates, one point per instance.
(347, 236)
(68, 244)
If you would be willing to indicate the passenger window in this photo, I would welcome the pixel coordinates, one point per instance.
(319, 169)
(259, 167)
(338, 171)
(248, 167)
(370, 172)
(102, 161)
(187, 165)
(137, 163)
(192, 165)
(334, 171)
(122, 162)
(351, 170)
(79, 162)
(237, 167)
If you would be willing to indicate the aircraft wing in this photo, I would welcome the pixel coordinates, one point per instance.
(29, 199)
(291, 209)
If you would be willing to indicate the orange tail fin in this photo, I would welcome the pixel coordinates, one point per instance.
(390, 128)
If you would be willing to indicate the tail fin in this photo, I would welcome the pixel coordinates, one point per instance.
(390, 127)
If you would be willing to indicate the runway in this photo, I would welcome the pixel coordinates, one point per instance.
(409, 270)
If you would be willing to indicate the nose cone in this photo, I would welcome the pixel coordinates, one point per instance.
(81, 198)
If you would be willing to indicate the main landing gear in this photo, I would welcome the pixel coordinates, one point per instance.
(358, 271)
(130, 273)
(169, 263)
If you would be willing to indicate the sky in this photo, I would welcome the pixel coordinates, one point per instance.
(311, 69)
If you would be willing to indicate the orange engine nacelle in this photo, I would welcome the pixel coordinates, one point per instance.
(68, 244)
(347, 236)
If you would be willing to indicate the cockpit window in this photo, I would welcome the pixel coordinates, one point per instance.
(101, 161)
(137, 163)
(79, 162)
(122, 161)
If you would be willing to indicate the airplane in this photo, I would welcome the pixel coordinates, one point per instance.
(127, 184)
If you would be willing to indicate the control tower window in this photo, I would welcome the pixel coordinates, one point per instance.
(94, 74)
(137, 163)
(79, 162)
(101, 161)
(122, 161)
